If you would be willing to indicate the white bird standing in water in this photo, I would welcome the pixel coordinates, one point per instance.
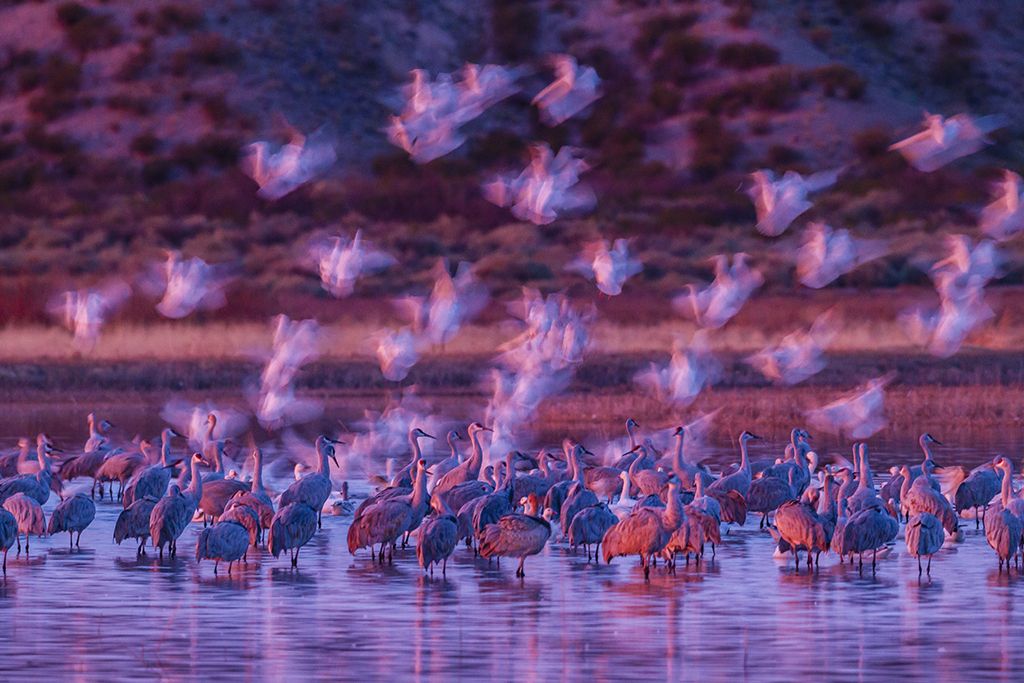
(1004, 217)
(945, 140)
(715, 305)
(341, 261)
(858, 414)
(283, 171)
(84, 311)
(827, 253)
(779, 202)
(548, 186)
(609, 267)
(572, 91)
(187, 285)
(798, 355)
(691, 368)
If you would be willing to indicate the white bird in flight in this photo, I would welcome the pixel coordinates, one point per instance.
(945, 140)
(827, 253)
(691, 368)
(609, 267)
(294, 164)
(1004, 217)
(84, 311)
(547, 187)
(434, 110)
(187, 285)
(798, 355)
(715, 305)
(573, 89)
(858, 414)
(341, 261)
(453, 302)
(397, 352)
(779, 201)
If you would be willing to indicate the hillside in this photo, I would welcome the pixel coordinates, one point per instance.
(121, 125)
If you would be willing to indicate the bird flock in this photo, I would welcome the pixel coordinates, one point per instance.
(500, 501)
(649, 503)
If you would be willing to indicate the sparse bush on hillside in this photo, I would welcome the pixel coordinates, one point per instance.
(49, 106)
(145, 143)
(212, 149)
(56, 74)
(820, 36)
(137, 62)
(872, 143)
(679, 55)
(782, 156)
(747, 55)
(665, 98)
(515, 25)
(86, 29)
(174, 18)
(140, 106)
(714, 147)
(207, 49)
(742, 15)
(52, 143)
(778, 91)
(840, 80)
(653, 31)
(874, 25)
(935, 10)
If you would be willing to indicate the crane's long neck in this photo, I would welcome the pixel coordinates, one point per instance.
(677, 457)
(543, 464)
(44, 461)
(510, 475)
(673, 516)
(94, 433)
(698, 485)
(1007, 486)
(195, 487)
(419, 488)
(826, 505)
(625, 487)
(477, 459)
(165, 451)
(744, 460)
(578, 469)
(257, 475)
(210, 425)
(322, 467)
(631, 432)
(414, 446)
(905, 486)
(451, 447)
(926, 447)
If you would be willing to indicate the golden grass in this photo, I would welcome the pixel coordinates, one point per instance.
(354, 340)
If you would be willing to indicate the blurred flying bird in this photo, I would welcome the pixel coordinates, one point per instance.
(608, 267)
(573, 89)
(780, 201)
(294, 164)
(547, 187)
(858, 414)
(715, 305)
(691, 368)
(1004, 217)
(945, 140)
(799, 354)
(186, 285)
(827, 253)
(340, 261)
(84, 311)
(397, 352)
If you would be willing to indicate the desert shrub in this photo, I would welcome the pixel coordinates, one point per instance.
(171, 18)
(55, 73)
(53, 143)
(652, 31)
(495, 147)
(129, 103)
(958, 39)
(332, 17)
(216, 108)
(137, 62)
(714, 147)
(872, 143)
(665, 98)
(51, 106)
(782, 156)
(8, 148)
(747, 55)
(145, 143)
(820, 36)
(679, 55)
(778, 91)
(86, 29)
(206, 49)
(936, 11)
(156, 172)
(19, 175)
(211, 149)
(838, 79)
(742, 15)
(874, 25)
(515, 25)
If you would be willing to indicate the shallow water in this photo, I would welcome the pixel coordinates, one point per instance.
(100, 612)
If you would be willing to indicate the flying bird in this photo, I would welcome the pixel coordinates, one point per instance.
(547, 187)
(281, 172)
(858, 414)
(84, 311)
(609, 267)
(798, 355)
(572, 91)
(186, 285)
(691, 368)
(340, 262)
(1004, 216)
(779, 201)
(716, 304)
(828, 253)
(945, 140)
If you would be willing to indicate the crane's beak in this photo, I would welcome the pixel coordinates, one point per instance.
(755, 436)
(429, 472)
(634, 449)
(934, 440)
(336, 464)
(486, 429)
(429, 436)
(334, 440)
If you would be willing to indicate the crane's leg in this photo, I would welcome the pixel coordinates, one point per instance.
(647, 568)
(874, 559)
(78, 543)
(796, 556)
(520, 572)
(319, 520)
(5, 562)
(919, 566)
(71, 540)
(810, 561)
(444, 567)
(216, 563)
(929, 565)
(26, 543)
